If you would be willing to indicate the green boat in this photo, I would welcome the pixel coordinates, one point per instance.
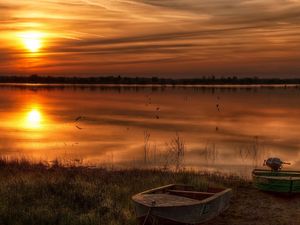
(277, 181)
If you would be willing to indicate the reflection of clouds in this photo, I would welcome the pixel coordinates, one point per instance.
(8, 143)
(114, 122)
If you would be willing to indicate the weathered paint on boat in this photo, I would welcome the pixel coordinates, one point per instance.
(277, 181)
(181, 204)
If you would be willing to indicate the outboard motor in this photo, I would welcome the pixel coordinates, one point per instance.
(274, 163)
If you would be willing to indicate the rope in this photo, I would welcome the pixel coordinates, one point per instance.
(147, 216)
(149, 211)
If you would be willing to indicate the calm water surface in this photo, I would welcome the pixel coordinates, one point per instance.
(229, 129)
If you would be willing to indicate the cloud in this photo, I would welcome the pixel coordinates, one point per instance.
(222, 36)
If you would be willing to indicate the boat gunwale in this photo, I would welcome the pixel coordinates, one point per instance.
(275, 172)
(286, 175)
(198, 202)
(285, 178)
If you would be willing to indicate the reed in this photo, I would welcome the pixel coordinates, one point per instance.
(44, 193)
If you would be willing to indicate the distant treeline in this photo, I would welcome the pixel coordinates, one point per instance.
(146, 80)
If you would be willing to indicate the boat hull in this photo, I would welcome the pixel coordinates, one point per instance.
(187, 214)
(279, 182)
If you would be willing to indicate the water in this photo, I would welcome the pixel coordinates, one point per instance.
(229, 129)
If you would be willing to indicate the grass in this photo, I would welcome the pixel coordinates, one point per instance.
(43, 194)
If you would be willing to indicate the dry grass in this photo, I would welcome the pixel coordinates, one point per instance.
(53, 194)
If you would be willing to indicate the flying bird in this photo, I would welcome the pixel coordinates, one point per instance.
(79, 128)
(77, 119)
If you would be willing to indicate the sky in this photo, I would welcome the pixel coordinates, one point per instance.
(170, 38)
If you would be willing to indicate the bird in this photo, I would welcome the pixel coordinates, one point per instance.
(79, 128)
(77, 119)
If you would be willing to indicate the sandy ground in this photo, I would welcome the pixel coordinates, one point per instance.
(250, 206)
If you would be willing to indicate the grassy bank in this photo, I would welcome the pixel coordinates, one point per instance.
(38, 194)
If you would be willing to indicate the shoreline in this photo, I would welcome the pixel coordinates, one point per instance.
(150, 80)
(35, 194)
(259, 85)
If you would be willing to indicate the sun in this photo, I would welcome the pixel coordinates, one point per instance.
(34, 118)
(32, 41)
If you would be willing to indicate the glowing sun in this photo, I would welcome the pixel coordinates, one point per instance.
(34, 118)
(32, 41)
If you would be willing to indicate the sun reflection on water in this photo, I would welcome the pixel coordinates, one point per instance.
(33, 118)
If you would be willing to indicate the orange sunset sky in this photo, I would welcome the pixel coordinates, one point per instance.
(171, 38)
